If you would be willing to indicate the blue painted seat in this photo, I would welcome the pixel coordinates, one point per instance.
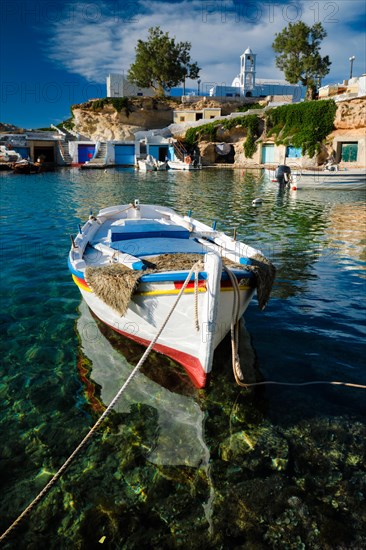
(147, 230)
(153, 247)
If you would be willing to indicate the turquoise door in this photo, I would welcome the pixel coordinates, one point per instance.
(349, 152)
(267, 154)
(124, 154)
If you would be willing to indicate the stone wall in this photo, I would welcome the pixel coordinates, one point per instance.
(350, 114)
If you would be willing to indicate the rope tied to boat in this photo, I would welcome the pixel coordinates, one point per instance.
(196, 319)
(234, 328)
(91, 432)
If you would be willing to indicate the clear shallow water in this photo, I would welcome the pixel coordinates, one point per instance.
(279, 467)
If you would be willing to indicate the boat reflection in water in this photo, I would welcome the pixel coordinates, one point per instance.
(180, 420)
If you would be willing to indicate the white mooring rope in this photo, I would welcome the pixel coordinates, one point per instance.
(238, 375)
(68, 461)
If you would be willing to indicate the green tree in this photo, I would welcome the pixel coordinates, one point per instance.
(161, 62)
(300, 59)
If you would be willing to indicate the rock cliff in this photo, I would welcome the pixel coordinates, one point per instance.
(350, 114)
(106, 123)
(100, 120)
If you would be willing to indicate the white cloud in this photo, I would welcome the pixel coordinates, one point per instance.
(93, 45)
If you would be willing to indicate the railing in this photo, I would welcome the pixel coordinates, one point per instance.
(68, 130)
(64, 154)
(179, 149)
(58, 130)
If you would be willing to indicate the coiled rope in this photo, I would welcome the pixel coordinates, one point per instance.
(68, 461)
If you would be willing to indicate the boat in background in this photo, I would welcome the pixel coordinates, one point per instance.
(350, 180)
(151, 164)
(187, 164)
(330, 178)
(8, 155)
(26, 167)
(131, 261)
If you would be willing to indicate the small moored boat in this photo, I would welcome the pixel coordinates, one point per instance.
(331, 178)
(132, 261)
(8, 155)
(27, 167)
(186, 164)
(351, 180)
(151, 164)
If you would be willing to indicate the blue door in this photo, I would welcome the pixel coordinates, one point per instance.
(23, 151)
(160, 152)
(124, 154)
(85, 153)
(268, 154)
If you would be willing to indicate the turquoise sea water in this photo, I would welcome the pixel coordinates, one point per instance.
(173, 467)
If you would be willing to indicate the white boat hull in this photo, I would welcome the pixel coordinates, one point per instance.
(335, 180)
(145, 166)
(150, 164)
(204, 314)
(180, 165)
(331, 180)
(189, 346)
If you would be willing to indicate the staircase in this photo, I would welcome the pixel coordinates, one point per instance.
(65, 155)
(63, 144)
(100, 157)
(179, 150)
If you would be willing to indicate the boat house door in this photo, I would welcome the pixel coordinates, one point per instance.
(268, 154)
(349, 152)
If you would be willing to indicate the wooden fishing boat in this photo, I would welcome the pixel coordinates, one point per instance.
(27, 167)
(132, 262)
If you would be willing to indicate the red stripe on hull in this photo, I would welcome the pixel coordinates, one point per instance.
(191, 364)
(179, 284)
(81, 281)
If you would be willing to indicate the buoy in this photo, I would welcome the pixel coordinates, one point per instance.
(255, 202)
(294, 188)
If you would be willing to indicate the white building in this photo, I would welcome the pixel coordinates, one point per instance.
(348, 89)
(119, 86)
(246, 83)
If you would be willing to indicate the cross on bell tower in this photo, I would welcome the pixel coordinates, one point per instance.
(247, 72)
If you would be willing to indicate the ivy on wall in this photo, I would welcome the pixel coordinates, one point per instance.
(208, 132)
(303, 125)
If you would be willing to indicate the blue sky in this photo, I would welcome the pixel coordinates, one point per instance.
(55, 53)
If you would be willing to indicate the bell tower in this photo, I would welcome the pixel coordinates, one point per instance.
(247, 72)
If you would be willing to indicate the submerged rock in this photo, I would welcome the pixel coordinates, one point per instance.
(262, 449)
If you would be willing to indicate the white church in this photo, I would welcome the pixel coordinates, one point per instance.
(246, 84)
